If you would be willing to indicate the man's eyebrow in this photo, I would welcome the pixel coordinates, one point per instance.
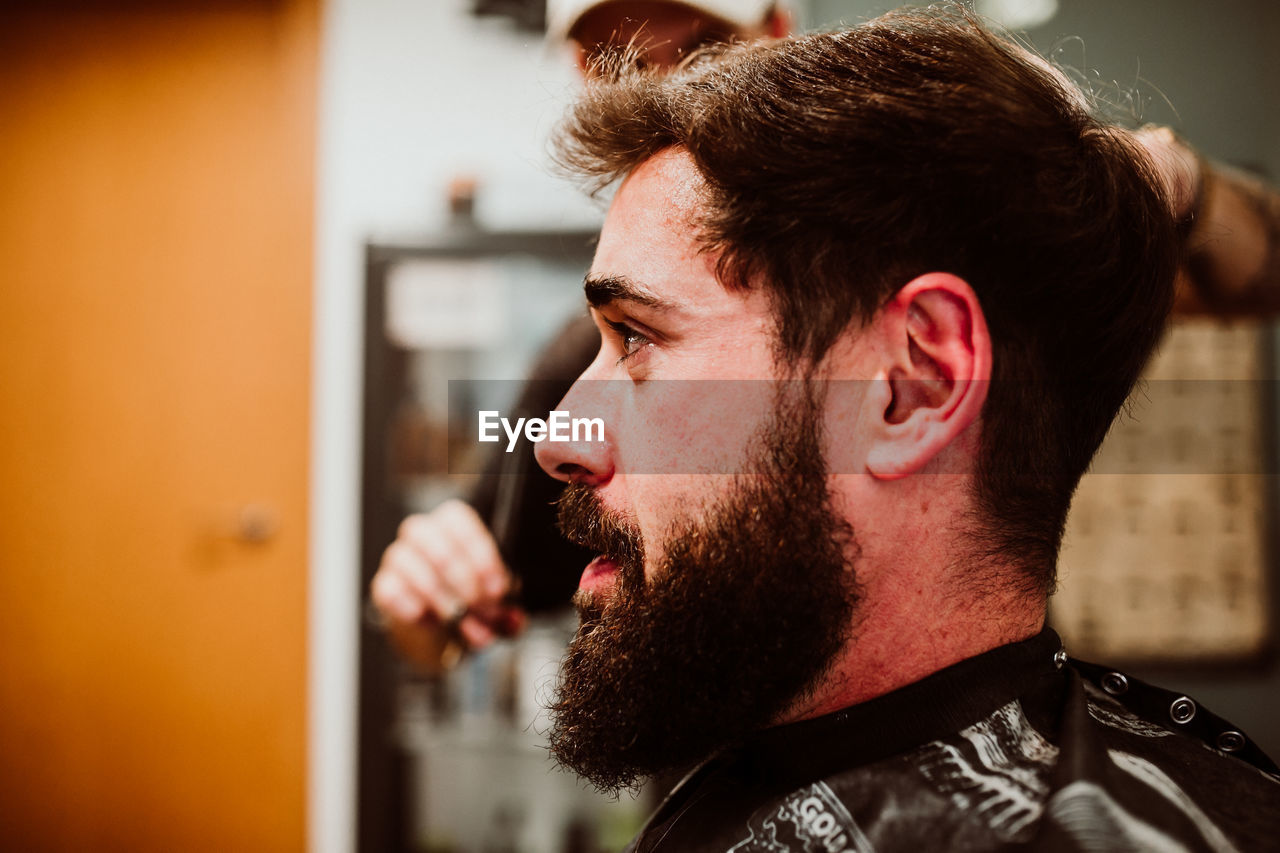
(602, 290)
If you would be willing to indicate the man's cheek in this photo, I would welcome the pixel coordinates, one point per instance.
(694, 426)
(655, 501)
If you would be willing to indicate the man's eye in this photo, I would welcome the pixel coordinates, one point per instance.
(632, 341)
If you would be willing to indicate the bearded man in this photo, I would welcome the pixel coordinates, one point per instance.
(943, 274)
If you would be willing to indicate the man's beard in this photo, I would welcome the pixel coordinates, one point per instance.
(741, 618)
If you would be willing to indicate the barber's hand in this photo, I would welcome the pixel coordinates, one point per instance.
(1176, 165)
(442, 587)
(1179, 169)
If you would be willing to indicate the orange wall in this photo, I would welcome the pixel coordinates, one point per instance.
(156, 209)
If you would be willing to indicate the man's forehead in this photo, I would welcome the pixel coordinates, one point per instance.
(669, 174)
(650, 234)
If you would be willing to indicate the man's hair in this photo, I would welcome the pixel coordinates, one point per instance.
(839, 166)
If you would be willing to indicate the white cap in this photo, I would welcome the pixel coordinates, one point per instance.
(562, 15)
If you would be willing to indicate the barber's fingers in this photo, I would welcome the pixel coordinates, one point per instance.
(440, 556)
(476, 633)
(474, 546)
(409, 588)
(429, 627)
(501, 617)
(1176, 165)
(451, 540)
(394, 598)
(413, 627)
(443, 576)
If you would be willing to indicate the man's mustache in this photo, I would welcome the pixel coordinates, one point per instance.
(584, 520)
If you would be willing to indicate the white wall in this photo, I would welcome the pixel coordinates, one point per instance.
(413, 93)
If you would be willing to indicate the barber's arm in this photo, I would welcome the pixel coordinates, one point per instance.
(1231, 265)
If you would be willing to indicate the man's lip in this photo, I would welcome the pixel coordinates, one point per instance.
(598, 574)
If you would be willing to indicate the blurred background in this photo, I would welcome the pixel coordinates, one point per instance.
(244, 245)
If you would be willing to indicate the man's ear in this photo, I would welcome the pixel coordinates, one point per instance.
(933, 378)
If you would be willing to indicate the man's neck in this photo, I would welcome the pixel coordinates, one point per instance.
(905, 634)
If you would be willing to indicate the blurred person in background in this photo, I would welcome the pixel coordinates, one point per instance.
(461, 575)
(663, 32)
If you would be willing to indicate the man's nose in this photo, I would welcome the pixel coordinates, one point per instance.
(587, 457)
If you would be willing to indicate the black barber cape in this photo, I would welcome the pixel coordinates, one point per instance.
(1018, 748)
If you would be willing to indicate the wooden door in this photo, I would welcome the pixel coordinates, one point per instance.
(156, 209)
